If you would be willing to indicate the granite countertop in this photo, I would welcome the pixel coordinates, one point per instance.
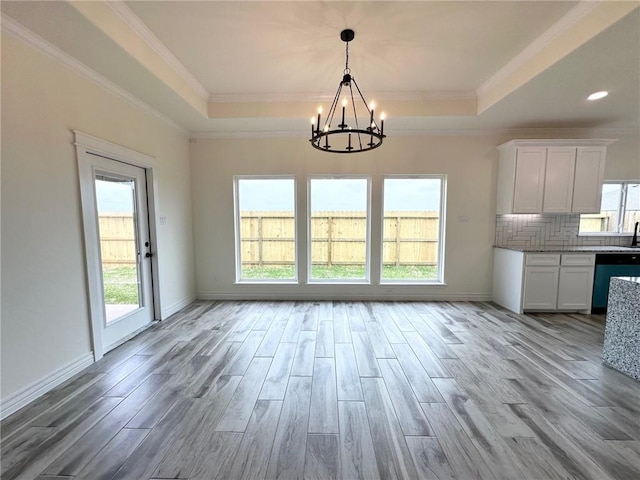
(621, 349)
(583, 249)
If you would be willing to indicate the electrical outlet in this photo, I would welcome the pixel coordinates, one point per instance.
(162, 220)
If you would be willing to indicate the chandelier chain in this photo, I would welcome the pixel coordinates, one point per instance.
(347, 70)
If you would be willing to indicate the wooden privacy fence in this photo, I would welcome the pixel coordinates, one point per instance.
(607, 221)
(338, 238)
(117, 235)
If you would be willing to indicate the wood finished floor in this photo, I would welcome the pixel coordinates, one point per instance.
(346, 390)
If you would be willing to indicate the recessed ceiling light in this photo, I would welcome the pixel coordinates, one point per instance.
(597, 95)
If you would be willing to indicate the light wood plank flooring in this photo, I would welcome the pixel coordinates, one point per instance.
(352, 390)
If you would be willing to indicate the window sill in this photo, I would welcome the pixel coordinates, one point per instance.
(405, 283)
(267, 281)
(338, 281)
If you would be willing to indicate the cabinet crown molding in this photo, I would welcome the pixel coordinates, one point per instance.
(558, 142)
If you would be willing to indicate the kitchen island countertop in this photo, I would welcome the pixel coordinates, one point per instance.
(621, 349)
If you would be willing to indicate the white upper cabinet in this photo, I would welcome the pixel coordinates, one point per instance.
(521, 178)
(558, 180)
(587, 190)
(551, 176)
(529, 180)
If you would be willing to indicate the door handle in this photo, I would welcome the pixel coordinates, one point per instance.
(148, 255)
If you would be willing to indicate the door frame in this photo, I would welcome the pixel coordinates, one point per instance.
(87, 146)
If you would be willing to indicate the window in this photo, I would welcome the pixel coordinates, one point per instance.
(265, 229)
(412, 227)
(619, 210)
(339, 229)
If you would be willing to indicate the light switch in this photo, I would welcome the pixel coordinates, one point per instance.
(163, 220)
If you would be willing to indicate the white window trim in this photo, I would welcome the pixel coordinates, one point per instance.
(238, 240)
(621, 209)
(367, 269)
(439, 280)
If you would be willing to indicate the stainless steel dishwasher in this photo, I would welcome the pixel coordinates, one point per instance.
(611, 265)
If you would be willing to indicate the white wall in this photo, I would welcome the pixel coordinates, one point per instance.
(623, 157)
(469, 164)
(45, 311)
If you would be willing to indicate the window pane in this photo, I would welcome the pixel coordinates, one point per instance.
(115, 201)
(339, 209)
(411, 228)
(607, 219)
(266, 227)
(632, 210)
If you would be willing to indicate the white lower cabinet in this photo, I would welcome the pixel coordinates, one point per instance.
(575, 288)
(540, 288)
(543, 282)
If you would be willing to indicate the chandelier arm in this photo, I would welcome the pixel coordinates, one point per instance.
(365, 103)
(332, 109)
(355, 114)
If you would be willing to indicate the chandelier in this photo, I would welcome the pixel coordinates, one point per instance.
(344, 137)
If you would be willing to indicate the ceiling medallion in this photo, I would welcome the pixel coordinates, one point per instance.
(345, 137)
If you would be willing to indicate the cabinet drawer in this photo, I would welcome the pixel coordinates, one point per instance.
(542, 259)
(578, 260)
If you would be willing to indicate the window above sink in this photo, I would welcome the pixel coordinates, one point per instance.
(619, 210)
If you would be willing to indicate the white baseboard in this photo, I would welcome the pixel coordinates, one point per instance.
(176, 307)
(381, 297)
(22, 397)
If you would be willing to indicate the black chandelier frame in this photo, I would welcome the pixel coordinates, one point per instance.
(355, 138)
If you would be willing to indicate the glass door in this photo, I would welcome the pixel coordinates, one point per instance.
(124, 249)
(118, 232)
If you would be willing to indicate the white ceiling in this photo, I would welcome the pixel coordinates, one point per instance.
(265, 47)
(222, 67)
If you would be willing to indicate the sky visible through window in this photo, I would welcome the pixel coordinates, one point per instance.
(114, 197)
(346, 195)
(275, 195)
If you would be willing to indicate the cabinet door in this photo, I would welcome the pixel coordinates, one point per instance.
(529, 179)
(587, 188)
(558, 179)
(575, 288)
(540, 288)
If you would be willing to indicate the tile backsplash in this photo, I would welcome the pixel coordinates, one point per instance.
(547, 230)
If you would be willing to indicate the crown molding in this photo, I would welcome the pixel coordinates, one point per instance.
(249, 134)
(443, 132)
(138, 26)
(558, 28)
(19, 31)
(317, 97)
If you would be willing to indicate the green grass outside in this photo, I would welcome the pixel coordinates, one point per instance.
(120, 285)
(343, 272)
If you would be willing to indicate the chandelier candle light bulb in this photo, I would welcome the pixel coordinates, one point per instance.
(373, 129)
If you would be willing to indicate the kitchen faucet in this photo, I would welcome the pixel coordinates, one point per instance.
(634, 242)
